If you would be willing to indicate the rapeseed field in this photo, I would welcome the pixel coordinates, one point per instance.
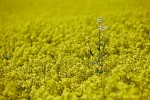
(74, 50)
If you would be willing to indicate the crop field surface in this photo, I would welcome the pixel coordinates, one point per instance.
(74, 49)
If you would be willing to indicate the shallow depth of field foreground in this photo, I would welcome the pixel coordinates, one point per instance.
(74, 50)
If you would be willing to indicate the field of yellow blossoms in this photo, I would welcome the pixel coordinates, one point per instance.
(74, 50)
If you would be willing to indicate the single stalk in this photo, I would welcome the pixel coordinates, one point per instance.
(101, 28)
(99, 40)
(99, 36)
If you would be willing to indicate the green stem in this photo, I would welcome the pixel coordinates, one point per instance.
(99, 46)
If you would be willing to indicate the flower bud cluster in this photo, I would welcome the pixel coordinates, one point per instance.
(100, 22)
